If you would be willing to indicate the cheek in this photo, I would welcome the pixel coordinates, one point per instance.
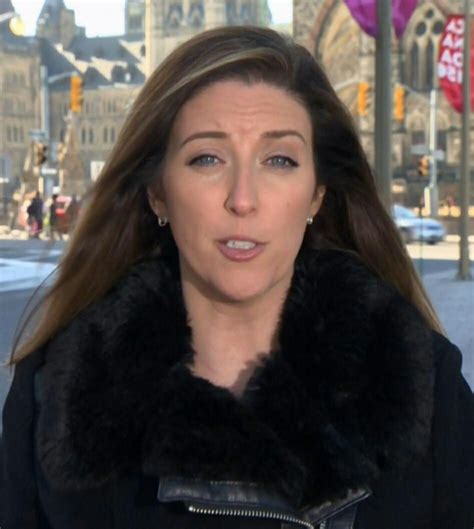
(191, 215)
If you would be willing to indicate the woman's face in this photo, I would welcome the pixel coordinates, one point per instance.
(237, 187)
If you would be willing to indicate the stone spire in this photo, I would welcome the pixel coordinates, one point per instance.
(6, 6)
(56, 22)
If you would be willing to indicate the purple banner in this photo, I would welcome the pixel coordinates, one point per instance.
(365, 13)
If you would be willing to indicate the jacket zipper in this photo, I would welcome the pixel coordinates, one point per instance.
(249, 513)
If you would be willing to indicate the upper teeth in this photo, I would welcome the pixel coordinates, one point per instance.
(241, 245)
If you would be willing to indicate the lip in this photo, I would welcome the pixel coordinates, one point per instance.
(238, 254)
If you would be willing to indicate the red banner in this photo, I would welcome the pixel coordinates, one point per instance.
(450, 62)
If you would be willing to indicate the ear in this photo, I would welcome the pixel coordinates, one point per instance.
(156, 201)
(317, 201)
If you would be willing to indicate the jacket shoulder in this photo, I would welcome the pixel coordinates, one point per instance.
(453, 439)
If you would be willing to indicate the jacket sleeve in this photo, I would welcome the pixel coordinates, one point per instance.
(20, 507)
(453, 441)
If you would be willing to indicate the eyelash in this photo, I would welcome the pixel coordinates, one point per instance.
(289, 162)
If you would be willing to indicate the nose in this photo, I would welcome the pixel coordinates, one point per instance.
(242, 196)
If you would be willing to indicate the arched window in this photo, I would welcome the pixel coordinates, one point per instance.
(415, 65)
(421, 43)
(106, 134)
(430, 62)
(91, 135)
(112, 135)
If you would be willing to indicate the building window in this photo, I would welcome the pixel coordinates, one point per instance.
(430, 62)
(83, 136)
(112, 134)
(15, 134)
(9, 133)
(421, 43)
(22, 134)
(135, 22)
(418, 137)
(415, 62)
(442, 140)
(106, 134)
(91, 135)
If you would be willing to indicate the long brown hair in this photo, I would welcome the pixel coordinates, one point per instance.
(118, 227)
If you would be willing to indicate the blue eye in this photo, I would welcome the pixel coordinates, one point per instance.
(204, 160)
(282, 161)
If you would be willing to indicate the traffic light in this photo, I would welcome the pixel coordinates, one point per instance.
(76, 94)
(362, 99)
(399, 100)
(424, 166)
(41, 153)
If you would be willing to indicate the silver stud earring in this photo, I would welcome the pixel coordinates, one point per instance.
(162, 221)
(309, 220)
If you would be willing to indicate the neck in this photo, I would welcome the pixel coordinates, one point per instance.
(231, 339)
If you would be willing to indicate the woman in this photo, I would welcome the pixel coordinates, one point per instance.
(236, 337)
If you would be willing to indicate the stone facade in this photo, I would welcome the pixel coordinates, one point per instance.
(19, 104)
(171, 22)
(328, 30)
(113, 69)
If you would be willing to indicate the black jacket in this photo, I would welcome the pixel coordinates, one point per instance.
(361, 418)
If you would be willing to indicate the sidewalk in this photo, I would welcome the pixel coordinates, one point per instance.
(454, 303)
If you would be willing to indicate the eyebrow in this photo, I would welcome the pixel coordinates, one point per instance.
(272, 134)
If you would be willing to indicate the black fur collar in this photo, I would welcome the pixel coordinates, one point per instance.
(346, 398)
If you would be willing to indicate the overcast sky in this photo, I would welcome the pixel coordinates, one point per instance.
(93, 13)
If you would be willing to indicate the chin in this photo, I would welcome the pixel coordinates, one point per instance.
(238, 289)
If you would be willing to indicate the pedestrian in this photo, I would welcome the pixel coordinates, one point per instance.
(236, 337)
(54, 227)
(35, 216)
(72, 212)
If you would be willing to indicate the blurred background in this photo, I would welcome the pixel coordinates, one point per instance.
(71, 69)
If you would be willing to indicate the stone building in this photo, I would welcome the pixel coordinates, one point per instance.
(171, 22)
(112, 69)
(328, 30)
(19, 99)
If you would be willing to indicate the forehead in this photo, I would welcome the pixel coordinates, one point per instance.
(254, 106)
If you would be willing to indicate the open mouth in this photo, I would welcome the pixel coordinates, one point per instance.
(240, 248)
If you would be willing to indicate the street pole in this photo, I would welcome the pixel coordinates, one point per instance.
(44, 97)
(383, 102)
(44, 114)
(464, 263)
(434, 199)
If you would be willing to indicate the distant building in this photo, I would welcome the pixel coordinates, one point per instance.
(328, 30)
(57, 24)
(19, 99)
(135, 17)
(171, 22)
(113, 69)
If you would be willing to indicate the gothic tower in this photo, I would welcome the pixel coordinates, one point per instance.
(134, 17)
(171, 22)
(57, 23)
(328, 30)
